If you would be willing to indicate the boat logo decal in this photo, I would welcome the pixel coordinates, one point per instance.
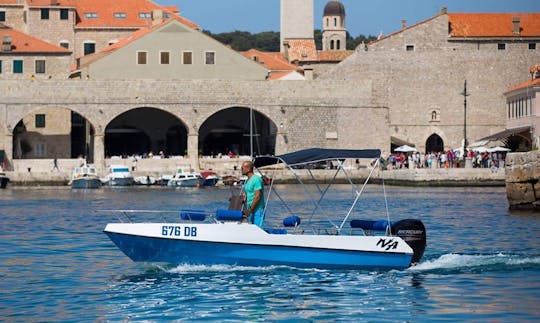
(176, 231)
(387, 245)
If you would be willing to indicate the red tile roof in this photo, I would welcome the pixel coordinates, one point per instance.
(334, 55)
(271, 60)
(534, 70)
(106, 9)
(302, 50)
(23, 43)
(493, 24)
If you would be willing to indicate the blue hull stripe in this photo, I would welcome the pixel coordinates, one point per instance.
(176, 251)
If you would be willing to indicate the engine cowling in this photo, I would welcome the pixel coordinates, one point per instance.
(413, 232)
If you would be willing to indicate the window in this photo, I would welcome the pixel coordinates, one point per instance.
(2, 16)
(40, 66)
(40, 121)
(532, 46)
(164, 57)
(145, 15)
(141, 58)
(17, 66)
(335, 22)
(44, 13)
(120, 15)
(210, 58)
(64, 14)
(187, 58)
(90, 15)
(331, 44)
(89, 48)
(64, 44)
(409, 48)
(338, 44)
(501, 46)
(166, 15)
(39, 149)
(0, 67)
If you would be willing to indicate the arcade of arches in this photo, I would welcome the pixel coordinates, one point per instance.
(141, 131)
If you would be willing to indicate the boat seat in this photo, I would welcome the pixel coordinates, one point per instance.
(193, 215)
(380, 225)
(291, 221)
(229, 215)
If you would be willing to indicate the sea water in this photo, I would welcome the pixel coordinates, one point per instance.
(482, 263)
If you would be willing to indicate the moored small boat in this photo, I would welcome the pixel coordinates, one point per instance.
(119, 175)
(183, 178)
(85, 177)
(4, 180)
(210, 178)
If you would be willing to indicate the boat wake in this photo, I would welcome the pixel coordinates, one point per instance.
(467, 263)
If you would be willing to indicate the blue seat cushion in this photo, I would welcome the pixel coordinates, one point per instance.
(229, 215)
(291, 221)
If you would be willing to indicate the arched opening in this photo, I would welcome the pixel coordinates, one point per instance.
(229, 130)
(518, 143)
(338, 44)
(331, 44)
(143, 131)
(434, 143)
(53, 133)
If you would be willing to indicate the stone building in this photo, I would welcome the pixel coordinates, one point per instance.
(25, 57)
(420, 71)
(83, 26)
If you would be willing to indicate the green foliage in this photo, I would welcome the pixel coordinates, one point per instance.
(268, 41)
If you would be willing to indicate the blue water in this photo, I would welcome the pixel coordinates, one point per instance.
(482, 263)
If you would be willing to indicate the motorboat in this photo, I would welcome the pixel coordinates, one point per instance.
(312, 235)
(85, 176)
(145, 180)
(4, 180)
(184, 178)
(118, 175)
(210, 178)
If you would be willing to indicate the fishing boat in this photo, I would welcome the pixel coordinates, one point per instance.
(315, 236)
(184, 178)
(210, 178)
(118, 175)
(85, 176)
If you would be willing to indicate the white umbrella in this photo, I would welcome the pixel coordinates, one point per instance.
(498, 149)
(480, 149)
(405, 149)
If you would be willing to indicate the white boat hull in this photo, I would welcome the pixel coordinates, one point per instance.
(248, 245)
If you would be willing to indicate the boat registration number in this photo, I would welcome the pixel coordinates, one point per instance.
(178, 231)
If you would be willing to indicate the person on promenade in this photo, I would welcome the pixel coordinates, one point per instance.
(55, 164)
(253, 189)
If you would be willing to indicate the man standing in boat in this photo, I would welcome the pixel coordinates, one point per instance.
(254, 195)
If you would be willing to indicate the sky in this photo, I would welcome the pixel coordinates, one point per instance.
(366, 17)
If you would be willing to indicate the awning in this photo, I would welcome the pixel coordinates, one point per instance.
(508, 133)
(400, 142)
(316, 155)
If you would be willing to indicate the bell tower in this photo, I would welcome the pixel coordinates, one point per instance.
(296, 20)
(334, 34)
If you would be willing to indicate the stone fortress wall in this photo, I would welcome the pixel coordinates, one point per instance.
(523, 180)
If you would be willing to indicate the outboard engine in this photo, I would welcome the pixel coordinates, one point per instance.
(413, 232)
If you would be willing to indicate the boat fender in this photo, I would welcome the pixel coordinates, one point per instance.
(413, 232)
(379, 225)
(291, 221)
(229, 215)
(193, 215)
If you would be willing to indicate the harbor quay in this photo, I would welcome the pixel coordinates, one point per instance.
(42, 172)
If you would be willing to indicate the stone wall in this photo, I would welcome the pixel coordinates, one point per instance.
(523, 180)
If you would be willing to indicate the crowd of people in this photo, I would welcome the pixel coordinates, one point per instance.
(444, 159)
